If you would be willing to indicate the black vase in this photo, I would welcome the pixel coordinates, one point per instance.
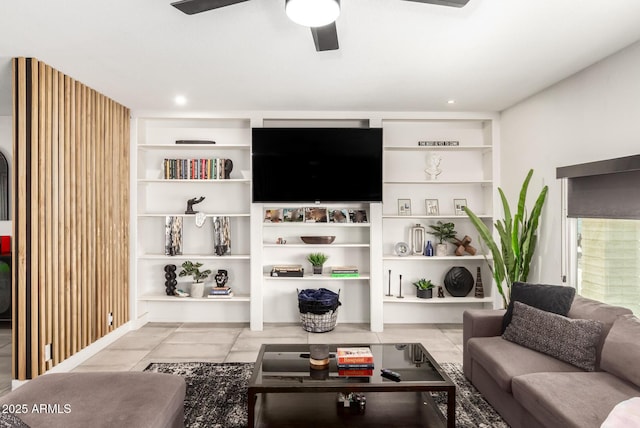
(458, 281)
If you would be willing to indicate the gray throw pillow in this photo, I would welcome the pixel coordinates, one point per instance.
(621, 349)
(551, 298)
(571, 340)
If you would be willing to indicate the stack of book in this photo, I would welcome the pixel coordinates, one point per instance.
(220, 293)
(344, 272)
(287, 271)
(357, 361)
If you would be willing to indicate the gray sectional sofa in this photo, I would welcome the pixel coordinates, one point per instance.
(534, 389)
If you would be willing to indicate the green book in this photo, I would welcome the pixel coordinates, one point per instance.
(345, 275)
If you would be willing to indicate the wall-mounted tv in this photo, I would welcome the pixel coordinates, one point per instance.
(317, 164)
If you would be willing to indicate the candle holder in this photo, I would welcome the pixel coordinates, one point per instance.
(400, 296)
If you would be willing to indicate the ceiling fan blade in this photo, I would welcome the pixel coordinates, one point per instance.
(191, 7)
(325, 38)
(452, 3)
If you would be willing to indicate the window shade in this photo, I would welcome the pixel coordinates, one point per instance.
(606, 189)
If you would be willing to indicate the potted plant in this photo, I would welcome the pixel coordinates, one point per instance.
(317, 260)
(518, 239)
(424, 288)
(193, 269)
(444, 232)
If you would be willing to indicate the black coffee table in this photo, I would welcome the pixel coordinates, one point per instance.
(285, 391)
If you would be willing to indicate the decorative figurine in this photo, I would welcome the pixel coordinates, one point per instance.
(464, 246)
(479, 287)
(170, 279)
(440, 292)
(434, 166)
(228, 167)
(191, 203)
(221, 277)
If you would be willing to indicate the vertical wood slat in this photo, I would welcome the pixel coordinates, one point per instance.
(71, 236)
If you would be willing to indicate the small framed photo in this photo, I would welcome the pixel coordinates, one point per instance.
(338, 215)
(458, 206)
(293, 215)
(431, 206)
(358, 216)
(404, 206)
(315, 214)
(273, 215)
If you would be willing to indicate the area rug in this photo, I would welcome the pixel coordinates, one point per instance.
(217, 395)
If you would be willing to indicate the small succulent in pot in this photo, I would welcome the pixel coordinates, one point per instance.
(424, 288)
(317, 260)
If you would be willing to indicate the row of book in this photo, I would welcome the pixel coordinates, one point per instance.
(195, 169)
(220, 293)
(287, 271)
(344, 272)
(356, 361)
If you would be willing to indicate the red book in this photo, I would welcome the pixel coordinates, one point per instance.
(355, 372)
(361, 355)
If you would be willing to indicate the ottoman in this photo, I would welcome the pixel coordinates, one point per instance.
(99, 399)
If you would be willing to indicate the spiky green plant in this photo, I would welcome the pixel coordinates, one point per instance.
(317, 259)
(518, 238)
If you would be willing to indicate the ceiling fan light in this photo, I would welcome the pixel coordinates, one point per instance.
(313, 13)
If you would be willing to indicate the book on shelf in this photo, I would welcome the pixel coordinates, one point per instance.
(220, 291)
(221, 296)
(194, 169)
(344, 269)
(355, 366)
(287, 270)
(355, 372)
(345, 274)
(354, 355)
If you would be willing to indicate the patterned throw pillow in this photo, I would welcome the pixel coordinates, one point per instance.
(571, 340)
(9, 420)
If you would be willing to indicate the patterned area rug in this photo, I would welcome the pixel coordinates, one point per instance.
(216, 395)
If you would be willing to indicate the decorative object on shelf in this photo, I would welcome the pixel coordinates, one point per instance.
(424, 288)
(170, 282)
(417, 240)
(221, 278)
(401, 249)
(404, 206)
(444, 232)
(287, 271)
(191, 202)
(193, 269)
(433, 166)
(200, 218)
(518, 238)
(195, 142)
(228, 167)
(338, 216)
(195, 169)
(318, 239)
(438, 143)
(345, 272)
(293, 215)
(479, 288)
(459, 205)
(400, 296)
(318, 309)
(458, 281)
(319, 356)
(431, 207)
(173, 236)
(317, 261)
(440, 292)
(464, 246)
(358, 216)
(221, 234)
(315, 214)
(389, 288)
(281, 241)
(273, 215)
(428, 251)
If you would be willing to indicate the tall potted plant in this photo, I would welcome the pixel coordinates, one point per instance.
(518, 239)
(444, 232)
(193, 269)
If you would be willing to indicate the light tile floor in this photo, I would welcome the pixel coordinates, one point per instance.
(176, 342)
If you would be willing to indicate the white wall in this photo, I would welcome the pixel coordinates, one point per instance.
(590, 116)
(6, 147)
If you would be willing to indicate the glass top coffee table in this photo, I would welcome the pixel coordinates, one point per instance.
(286, 391)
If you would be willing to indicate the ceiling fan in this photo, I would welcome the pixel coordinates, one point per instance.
(323, 30)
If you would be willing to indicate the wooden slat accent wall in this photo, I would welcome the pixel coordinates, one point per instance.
(71, 216)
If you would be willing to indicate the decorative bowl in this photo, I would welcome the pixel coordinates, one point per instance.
(318, 239)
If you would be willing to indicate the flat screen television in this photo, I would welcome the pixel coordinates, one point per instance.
(317, 164)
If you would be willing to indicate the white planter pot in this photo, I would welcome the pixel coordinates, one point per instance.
(197, 289)
(441, 250)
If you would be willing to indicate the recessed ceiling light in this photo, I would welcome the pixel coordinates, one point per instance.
(451, 102)
(180, 100)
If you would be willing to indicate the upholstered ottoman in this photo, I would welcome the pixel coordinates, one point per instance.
(99, 399)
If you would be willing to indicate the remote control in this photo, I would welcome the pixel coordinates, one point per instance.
(389, 374)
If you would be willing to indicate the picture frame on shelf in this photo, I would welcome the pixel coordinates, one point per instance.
(293, 215)
(358, 216)
(431, 207)
(338, 215)
(315, 215)
(273, 215)
(458, 206)
(404, 206)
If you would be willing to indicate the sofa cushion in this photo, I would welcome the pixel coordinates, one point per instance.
(585, 308)
(626, 414)
(503, 360)
(550, 298)
(621, 349)
(570, 340)
(571, 400)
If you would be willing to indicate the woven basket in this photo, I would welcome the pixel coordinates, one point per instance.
(318, 309)
(319, 323)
